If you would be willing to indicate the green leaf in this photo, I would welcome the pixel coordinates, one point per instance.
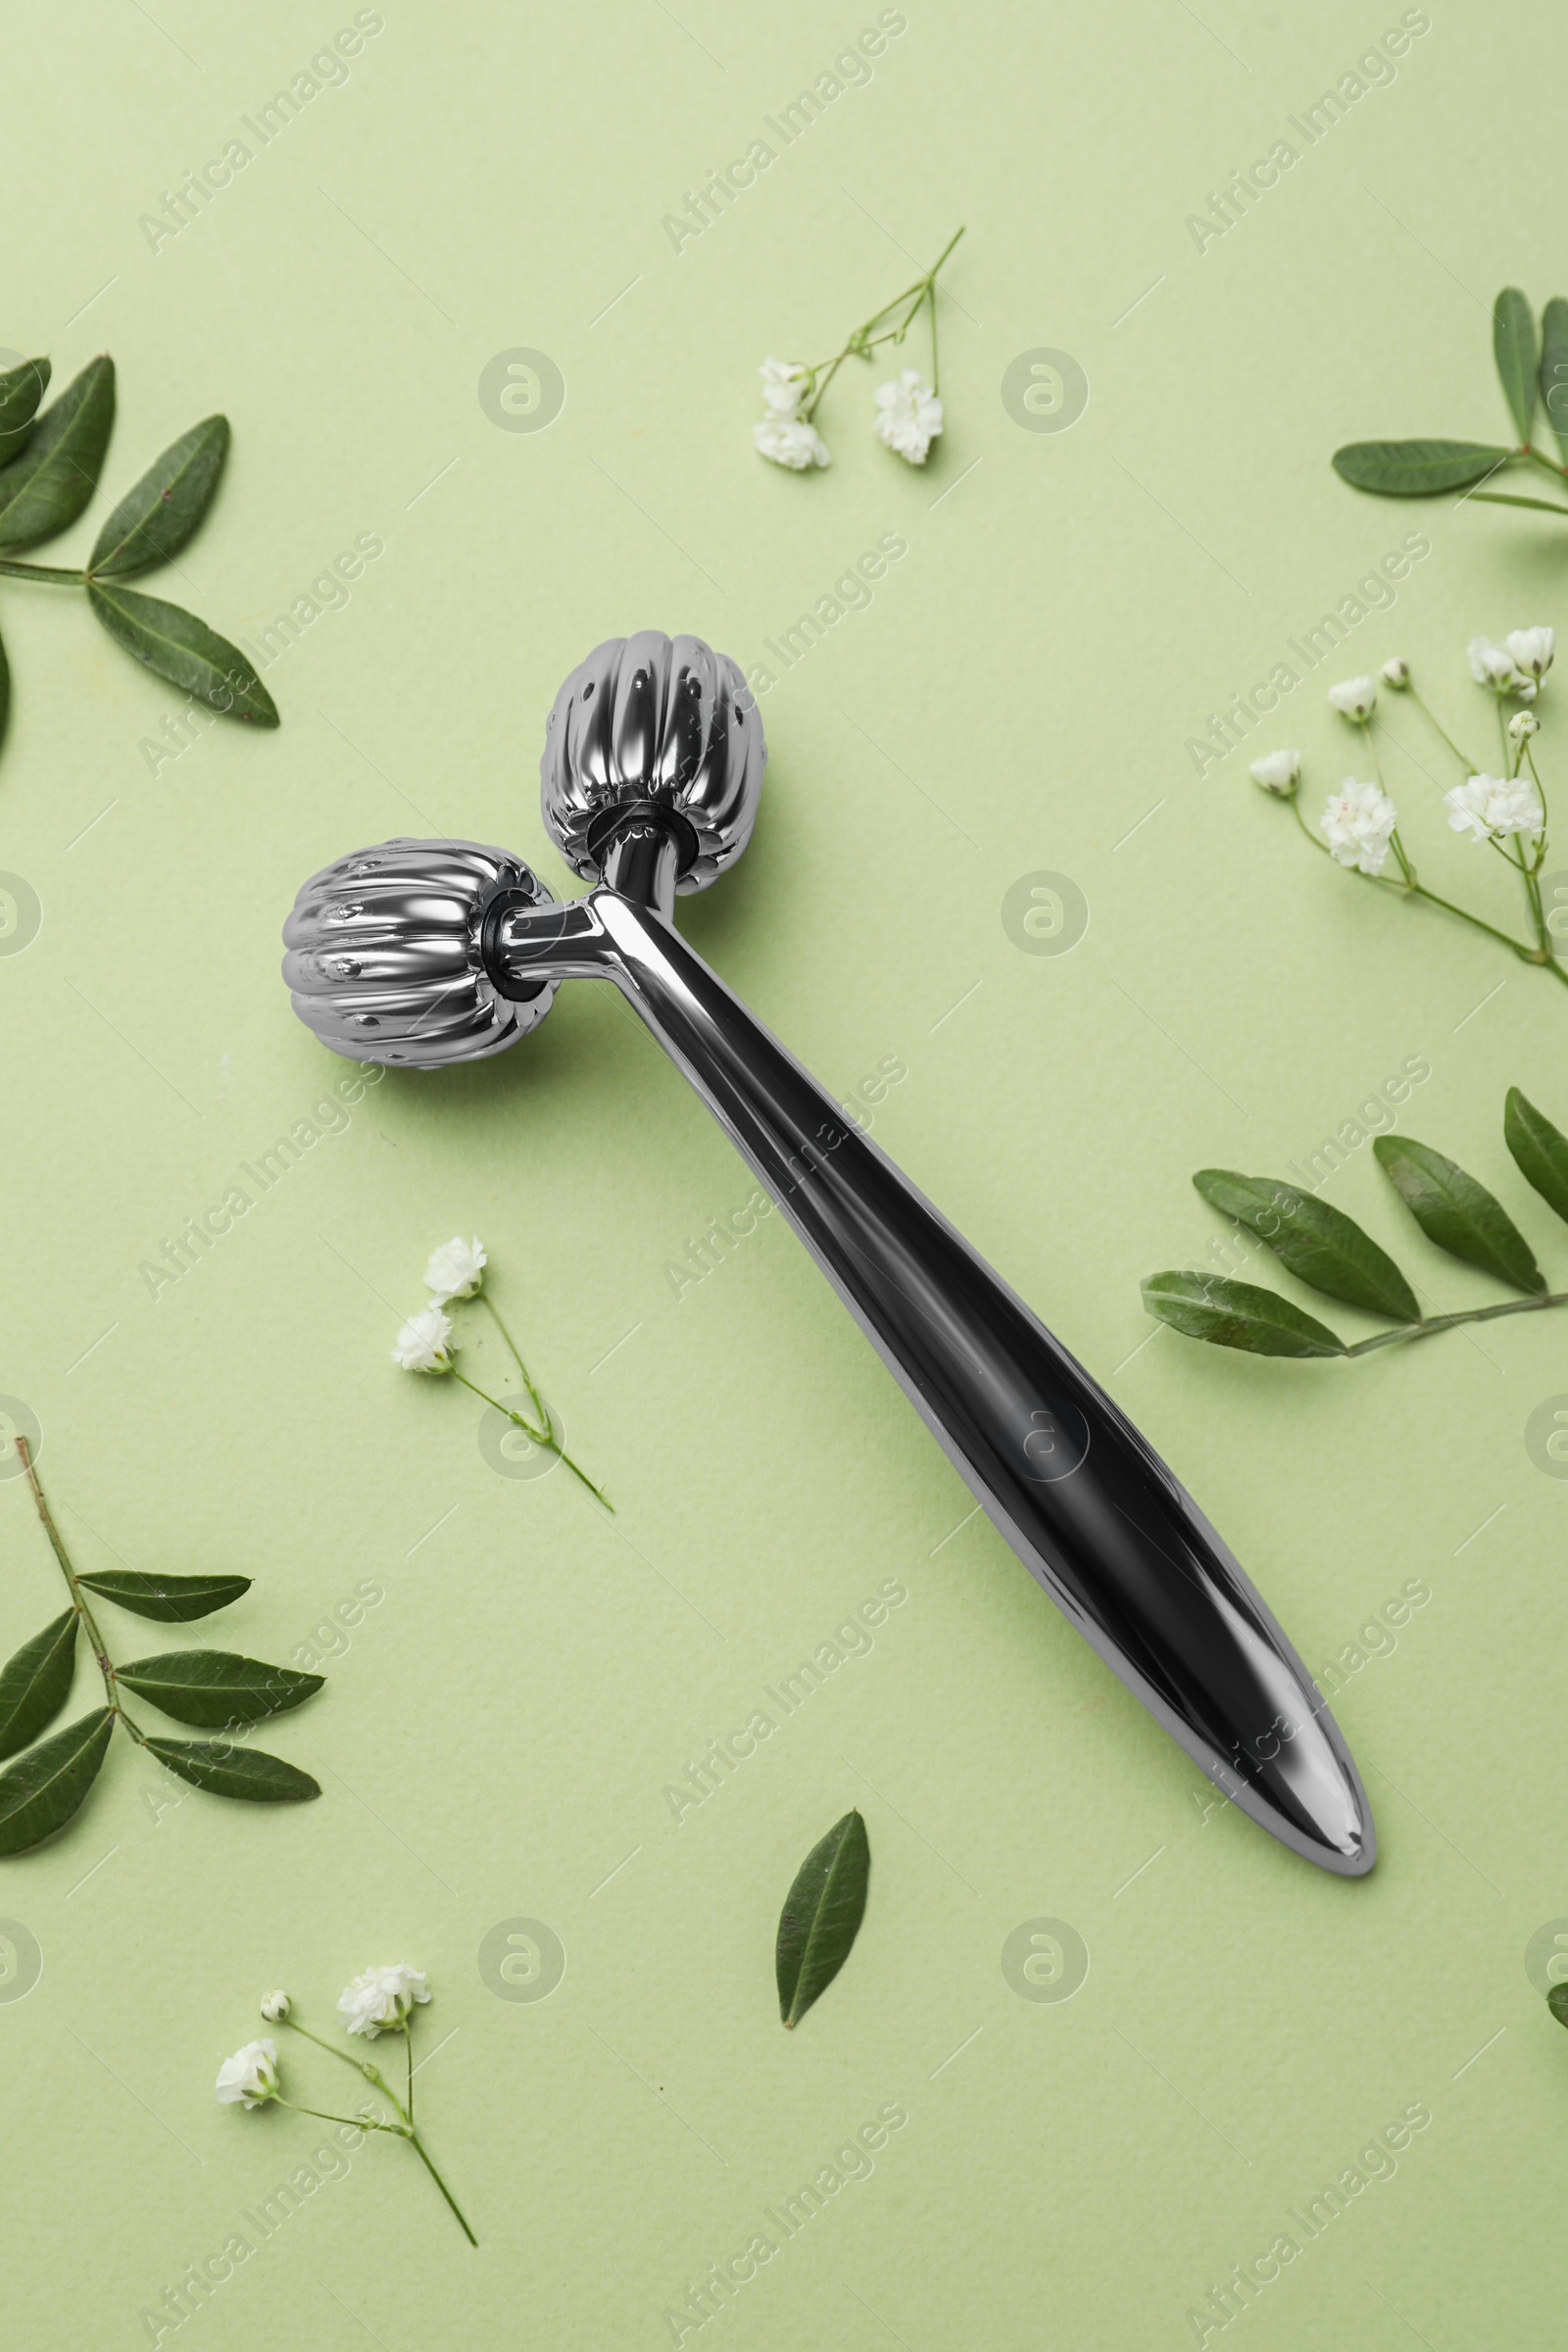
(1456, 1212)
(45, 489)
(154, 518)
(1555, 367)
(39, 1795)
(175, 1600)
(1513, 346)
(215, 1688)
(1319, 1245)
(1540, 1149)
(20, 390)
(35, 1683)
(244, 1772)
(1235, 1315)
(1557, 2003)
(1415, 468)
(821, 1916)
(176, 646)
(5, 690)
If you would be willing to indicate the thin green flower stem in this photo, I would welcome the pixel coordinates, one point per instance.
(1541, 790)
(360, 2066)
(425, 2156)
(540, 1436)
(863, 342)
(1467, 764)
(408, 2043)
(539, 1405)
(355, 2123)
(1469, 1314)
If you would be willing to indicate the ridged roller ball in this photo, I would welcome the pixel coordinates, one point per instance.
(654, 722)
(383, 954)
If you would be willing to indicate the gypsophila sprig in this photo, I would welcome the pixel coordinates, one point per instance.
(380, 2000)
(907, 414)
(454, 1272)
(214, 1688)
(1526, 366)
(1332, 1255)
(1505, 812)
(50, 461)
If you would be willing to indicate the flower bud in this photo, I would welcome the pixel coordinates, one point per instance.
(1397, 673)
(1524, 724)
(274, 2008)
(1356, 698)
(1279, 772)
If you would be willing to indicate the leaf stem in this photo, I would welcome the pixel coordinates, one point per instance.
(73, 1585)
(1468, 1314)
(47, 572)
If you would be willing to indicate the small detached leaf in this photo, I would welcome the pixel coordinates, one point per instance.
(1555, 367)
(1235, 1315)
(39, 1795)
(20, 390)
(1415, 468)
(243, 1772)
(176, 646)
(173, 1600)
(5, 690)
(1456, 1212)
(1557, 2003)
(154, 519)
(215, 1687)
(45, 489)
(821, 1916)
(1513, 346)
(36, 1683)
(1540, 1150)
(1318, 1244)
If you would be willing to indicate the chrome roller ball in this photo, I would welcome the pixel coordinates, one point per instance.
(653, 725)
(384, 957)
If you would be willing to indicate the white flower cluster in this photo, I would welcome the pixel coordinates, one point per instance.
(455, 1270)
(909, 417)
(1359, 820)
(784, 434)
(380, 1999)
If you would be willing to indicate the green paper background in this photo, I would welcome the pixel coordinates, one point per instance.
(498, 1733)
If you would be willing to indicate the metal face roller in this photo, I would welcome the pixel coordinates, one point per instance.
(422, 953)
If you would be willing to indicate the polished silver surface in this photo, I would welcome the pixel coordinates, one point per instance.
(1089, 1508)
(657, 722)
(383, 954)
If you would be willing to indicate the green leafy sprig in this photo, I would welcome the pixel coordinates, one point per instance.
(213, 1689)
(821, 1916)
(1421, 468)
(1330, 1252)
(49, 468)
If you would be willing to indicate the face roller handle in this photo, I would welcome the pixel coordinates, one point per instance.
(1090, 1509)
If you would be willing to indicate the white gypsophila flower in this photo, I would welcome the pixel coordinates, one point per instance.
(1491, 807)
(250, 2075)
(1354, 698)
(275, 2005)
(1396, 672)
(1522, 725)
(1495, 666)
(456, 1269)
(1358, 821)
(1531, 650)
(1277, 772)
(785, 384)
(424, 1343)
(378, 2000)
(909, 415)
(790, 441)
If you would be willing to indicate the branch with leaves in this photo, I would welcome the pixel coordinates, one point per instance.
(1421, 468)
(1332, 1255)
(213, 1689)
(49, 468)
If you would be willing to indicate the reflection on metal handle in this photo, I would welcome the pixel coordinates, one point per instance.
(1085, 1502)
